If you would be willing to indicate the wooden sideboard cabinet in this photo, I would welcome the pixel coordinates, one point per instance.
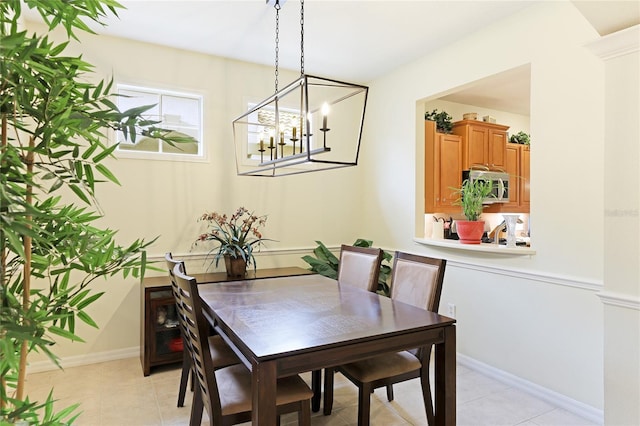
(160, 338)
(483, 144)
(443, 169)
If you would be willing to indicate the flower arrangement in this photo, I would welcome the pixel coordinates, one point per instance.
(237, 236)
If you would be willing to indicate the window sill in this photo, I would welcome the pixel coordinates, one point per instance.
(483, 247)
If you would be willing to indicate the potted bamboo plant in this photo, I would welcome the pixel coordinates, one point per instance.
(472, 194)
(53, 122)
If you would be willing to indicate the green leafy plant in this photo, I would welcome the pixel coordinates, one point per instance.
(52, 141)
(443, 120)
(521, 138)
(471, 195)
(326, 263)
(237, 236)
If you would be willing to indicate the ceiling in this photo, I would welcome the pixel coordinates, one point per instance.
(349, 40)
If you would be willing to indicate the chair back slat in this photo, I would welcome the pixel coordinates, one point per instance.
(360, 266)
(171, 264)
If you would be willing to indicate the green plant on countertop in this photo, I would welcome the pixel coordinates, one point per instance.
(471, 195)
(444, 123)
(326, 263)
(521, 138)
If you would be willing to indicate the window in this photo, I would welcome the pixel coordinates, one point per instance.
(181, 113)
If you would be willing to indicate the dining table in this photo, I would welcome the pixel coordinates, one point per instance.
(289, 325)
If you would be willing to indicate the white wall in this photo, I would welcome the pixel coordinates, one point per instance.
(537, 317)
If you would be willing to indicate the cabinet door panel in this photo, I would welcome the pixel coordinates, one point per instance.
(497, 149)
(477, 147)
(525, 160)
(513, 168)
(449, 169)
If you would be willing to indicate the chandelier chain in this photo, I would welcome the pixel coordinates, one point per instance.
(301, 37)
(277, 7)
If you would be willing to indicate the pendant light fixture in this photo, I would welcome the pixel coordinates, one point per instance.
(312, 124)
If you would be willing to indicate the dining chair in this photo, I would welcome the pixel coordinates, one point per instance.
(221, 354)
(359, 267)
(416, 280)
(226, 392)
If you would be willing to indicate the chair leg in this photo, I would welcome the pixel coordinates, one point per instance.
(316, 386)
(304, 414)
(364, 404)
(184, 378)
(428, 402)
(390, 393)
(197, 407)
(328, 391)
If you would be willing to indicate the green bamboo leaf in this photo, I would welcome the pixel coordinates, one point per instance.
(104, 154)
(89, 300)
(77, 165)
(80, 193)
(87, 319)
(107, 173)
(89, 152)
(78, 297)
(88, 175)
(64, 333)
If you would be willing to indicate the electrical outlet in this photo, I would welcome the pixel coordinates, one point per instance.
(451, 310)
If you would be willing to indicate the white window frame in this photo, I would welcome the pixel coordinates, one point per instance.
(166, 121)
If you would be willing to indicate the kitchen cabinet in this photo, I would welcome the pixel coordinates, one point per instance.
(517, 165)
(483, 144)
(443, 170)
(525, 172)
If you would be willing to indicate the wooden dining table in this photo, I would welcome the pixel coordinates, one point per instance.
(288, 325)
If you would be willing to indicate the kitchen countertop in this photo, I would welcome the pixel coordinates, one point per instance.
(483, 247)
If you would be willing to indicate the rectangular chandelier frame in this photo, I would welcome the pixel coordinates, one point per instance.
(327, 113)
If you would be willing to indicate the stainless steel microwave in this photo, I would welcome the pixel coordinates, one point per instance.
(499, 184)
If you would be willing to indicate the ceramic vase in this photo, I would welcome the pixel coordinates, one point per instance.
(512, 221)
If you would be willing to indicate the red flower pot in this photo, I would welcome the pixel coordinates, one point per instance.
(470, 232)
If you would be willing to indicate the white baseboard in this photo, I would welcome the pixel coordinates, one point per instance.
(90, 358)
(576, 407)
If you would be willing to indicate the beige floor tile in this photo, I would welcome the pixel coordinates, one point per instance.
(560, 417)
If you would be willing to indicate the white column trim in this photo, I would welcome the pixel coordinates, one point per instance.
(617, 44)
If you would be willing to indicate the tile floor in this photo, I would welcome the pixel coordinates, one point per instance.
(116, 393)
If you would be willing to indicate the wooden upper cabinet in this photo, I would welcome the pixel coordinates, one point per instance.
(518, 169)
(513, 168)
(483, 144)
(525, 172)
(443, 170)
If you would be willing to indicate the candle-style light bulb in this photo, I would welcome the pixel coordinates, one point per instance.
(293, 128)
(325, 112)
